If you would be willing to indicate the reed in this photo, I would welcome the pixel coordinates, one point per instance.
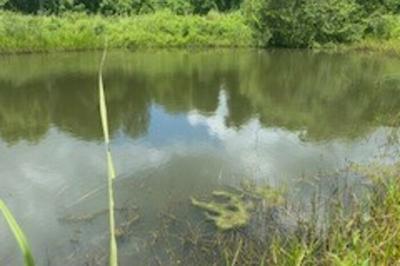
(18, 234)
(110, 165)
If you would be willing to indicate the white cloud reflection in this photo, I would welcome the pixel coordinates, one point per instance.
(276, 153)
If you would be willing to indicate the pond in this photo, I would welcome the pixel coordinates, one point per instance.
(183, 124)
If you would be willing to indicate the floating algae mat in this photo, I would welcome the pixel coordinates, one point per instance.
(234, 213)
(270, 196)
(232, 210)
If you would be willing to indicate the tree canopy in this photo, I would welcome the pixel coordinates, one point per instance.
(119, 6)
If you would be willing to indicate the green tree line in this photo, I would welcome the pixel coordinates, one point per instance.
(278, 23)
(196, 6)
(287, 7)
(119, 6)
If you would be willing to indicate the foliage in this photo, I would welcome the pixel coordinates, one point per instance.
(110, 7)
(80, 31)
(3, 3)
(18, 234)
(254, 12)
(278, 23)
(119, 6)
(384, 27)
(294, 23)
(379, 6)
(310, 23)
(180, 7)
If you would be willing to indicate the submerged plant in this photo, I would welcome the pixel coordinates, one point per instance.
(231, 213)
(110, 166)
(271, 196)
(18, 234)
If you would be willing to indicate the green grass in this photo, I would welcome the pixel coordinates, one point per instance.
(368, 235)
(26, 33)
(390, 47)
(18, 234)
(78, 31)
(113, 259)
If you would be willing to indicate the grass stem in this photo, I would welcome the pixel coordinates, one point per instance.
(110, 164)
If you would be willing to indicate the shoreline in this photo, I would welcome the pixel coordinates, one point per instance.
(77, 32)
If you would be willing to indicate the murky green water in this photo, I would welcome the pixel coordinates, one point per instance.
(182, 124)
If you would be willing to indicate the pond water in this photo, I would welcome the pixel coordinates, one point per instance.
(183, 123)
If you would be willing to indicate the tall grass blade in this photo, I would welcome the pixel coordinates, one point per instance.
(18, 234)
(235, 258)
(110, 165)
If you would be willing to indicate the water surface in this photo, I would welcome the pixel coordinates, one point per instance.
(183, 123)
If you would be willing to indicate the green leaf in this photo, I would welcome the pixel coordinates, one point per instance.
(110, 165)
(18, 234)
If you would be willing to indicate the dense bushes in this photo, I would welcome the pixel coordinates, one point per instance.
(306, 23)
(277, 23)
(383, 27)
(291, 23)
(161, 29)
(371, 6)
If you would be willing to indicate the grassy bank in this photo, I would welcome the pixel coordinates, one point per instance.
(26, 33)
(78, 31)
(388, 47)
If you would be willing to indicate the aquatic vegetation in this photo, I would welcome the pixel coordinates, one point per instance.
(271, 196)
(231, 214)
(110, 166)
(370, 236)
(18, 234)
(376, 172)
(367, 235)
(124, 229)
(83, 217)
